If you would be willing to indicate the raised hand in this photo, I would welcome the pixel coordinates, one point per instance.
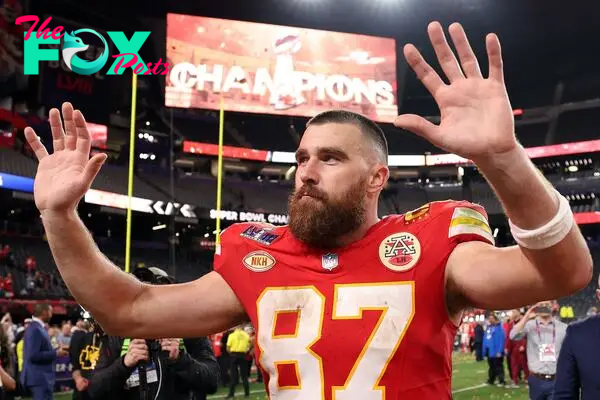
(64, 177)
(476, 116)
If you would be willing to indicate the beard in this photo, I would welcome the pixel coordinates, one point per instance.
(320, 221)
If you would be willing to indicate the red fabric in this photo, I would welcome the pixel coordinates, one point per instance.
(216, 343)
(518, 362)
(509, 343)
(8, 285)
(338, 305)
(30, 264)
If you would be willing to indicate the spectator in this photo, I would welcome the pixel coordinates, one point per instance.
(517, 358)
(544, 335)
(175, 368)
(478, 341)
(7, 365)
(7, 257)
(8, 286)
(238, 344)
(84, 352)
(493, 348)
(63, 338)
(577, 372)
(30, 265)
(38, 355)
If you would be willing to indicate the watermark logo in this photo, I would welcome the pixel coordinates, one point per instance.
(128, 56)
(73, 45)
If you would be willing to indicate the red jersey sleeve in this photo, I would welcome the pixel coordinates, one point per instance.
(464, 222)
(227, 252)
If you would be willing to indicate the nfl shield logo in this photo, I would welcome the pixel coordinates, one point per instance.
(329, 261)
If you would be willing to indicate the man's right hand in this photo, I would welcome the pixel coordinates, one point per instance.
(530, 314)
(64, 177)
(62, 352)
(81, 384)
(138, 351)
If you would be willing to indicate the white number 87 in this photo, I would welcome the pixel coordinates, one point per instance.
(395, 300)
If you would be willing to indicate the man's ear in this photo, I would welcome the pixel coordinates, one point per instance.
(378, 178)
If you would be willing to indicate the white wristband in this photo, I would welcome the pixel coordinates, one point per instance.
(548, 234)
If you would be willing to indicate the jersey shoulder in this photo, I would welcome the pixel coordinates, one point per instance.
(463, 221)
(458, 221)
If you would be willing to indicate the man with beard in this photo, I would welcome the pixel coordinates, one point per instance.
(346, 304)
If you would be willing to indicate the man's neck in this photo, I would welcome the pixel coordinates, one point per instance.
(359, 233)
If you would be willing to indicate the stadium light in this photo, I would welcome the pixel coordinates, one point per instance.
(573, 168)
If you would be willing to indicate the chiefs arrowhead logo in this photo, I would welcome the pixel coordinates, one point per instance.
(259, 261)
(400, 251)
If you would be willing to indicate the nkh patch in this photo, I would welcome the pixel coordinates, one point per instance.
(259, 261)
(467, 221)
(260, 234)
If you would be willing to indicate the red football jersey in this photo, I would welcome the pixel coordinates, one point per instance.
(367, 321)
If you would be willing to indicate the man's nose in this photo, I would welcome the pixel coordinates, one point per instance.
(309, 172)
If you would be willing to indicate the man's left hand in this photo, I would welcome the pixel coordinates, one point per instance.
(171, 346)
(477, 121)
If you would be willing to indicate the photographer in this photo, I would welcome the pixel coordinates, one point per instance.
(134, 368)
(545, 336)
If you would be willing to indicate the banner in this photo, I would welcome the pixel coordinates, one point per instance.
(15, 182)
(92, 93)
(64, 368)
(248, 216)
(139, 204)
(274, 69)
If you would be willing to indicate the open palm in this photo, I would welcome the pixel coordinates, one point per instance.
(476, 115)
(63, 177)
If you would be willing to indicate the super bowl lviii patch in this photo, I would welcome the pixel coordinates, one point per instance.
(467, 221)
(260, 234)
(400, 251)
(259, 261)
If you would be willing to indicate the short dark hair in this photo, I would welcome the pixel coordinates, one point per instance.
(40, 308)
(366, 126)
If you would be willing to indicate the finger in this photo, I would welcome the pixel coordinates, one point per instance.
(468, 61)
(84, 141)
(494, 52)
(444, 53)
(417, 125)
(91, 170)
(426, 74)
(58, 135)
(36, 145)
(70, 129)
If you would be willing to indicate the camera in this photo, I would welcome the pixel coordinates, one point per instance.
(153, 345)
(543, 310)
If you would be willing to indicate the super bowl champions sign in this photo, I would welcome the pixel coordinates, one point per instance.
(273, 69)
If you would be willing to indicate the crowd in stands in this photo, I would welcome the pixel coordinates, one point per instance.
(20, 276)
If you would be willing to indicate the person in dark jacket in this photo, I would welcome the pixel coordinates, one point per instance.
(84, 352)
(493, 348)
(478, 342)
(578, 367)
(174, 368)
